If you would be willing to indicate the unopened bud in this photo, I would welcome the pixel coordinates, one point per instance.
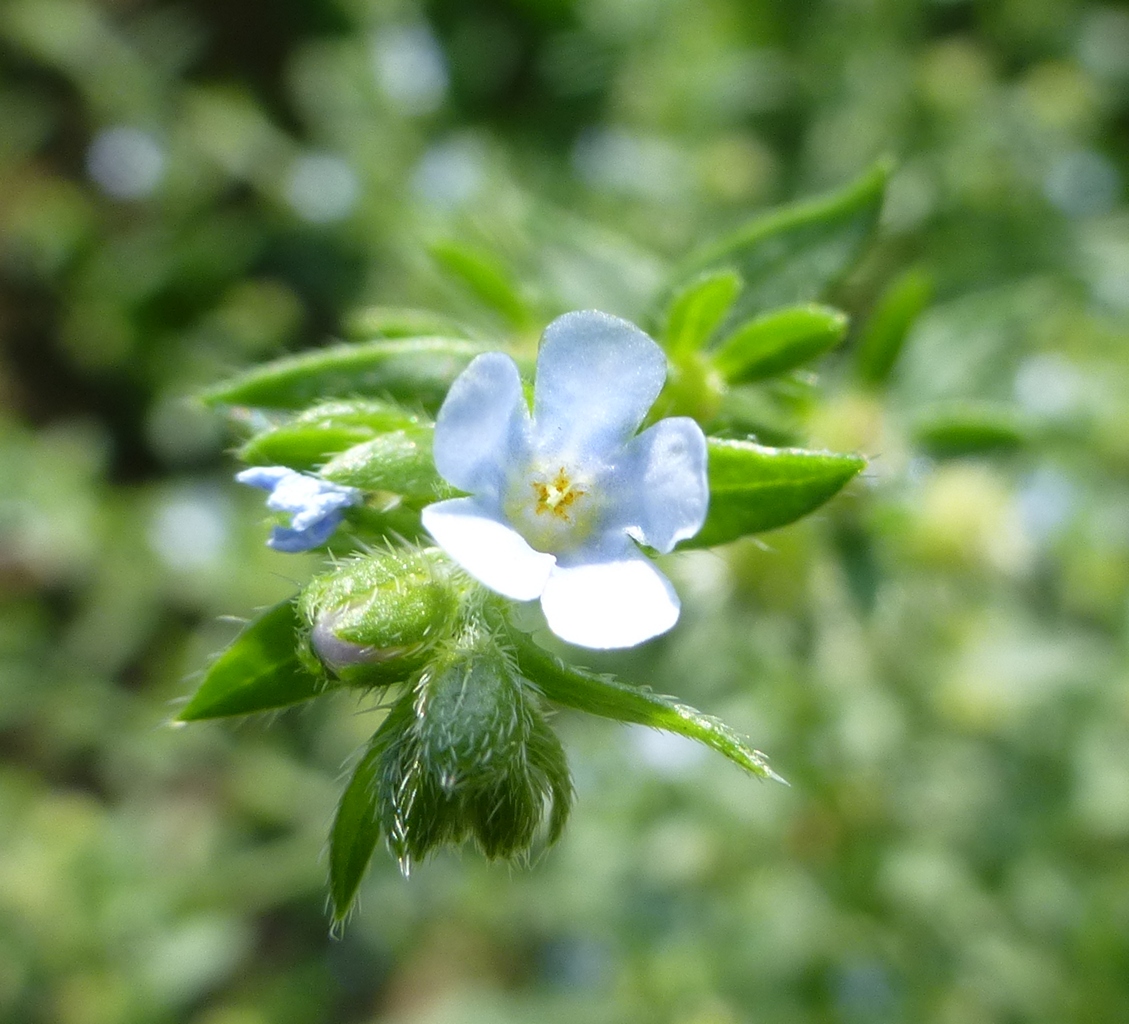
(375, 619)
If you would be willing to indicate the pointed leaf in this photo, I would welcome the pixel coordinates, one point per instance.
(601, 695)
(778, 342)
(356, 826)
(795, 253)
(260, 671)
(698, 309)
(397, 322)
(399, 462)
(486, 278)
(753, 488)
(885, 333)
(969, 428)
(407, 369)
(308, 440)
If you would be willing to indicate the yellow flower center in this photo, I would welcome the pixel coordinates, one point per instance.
(553, 508)
(556, 496)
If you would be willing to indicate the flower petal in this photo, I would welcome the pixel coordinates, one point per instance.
(483, 425)
(492, 552)
(661, 485)
(618, 603)
(597, 376)
(285, 538)
(309, 499)
(266, 477)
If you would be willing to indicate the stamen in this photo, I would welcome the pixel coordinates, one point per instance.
(556, 496)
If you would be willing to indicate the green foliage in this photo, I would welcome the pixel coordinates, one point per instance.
(967, 428)
(398, 462)
(260, 671)
(885, 333)
(464, 753)
(698, 310)
(405, 369)
(797, 252)
(376, 617)
(397, 322)
(605, 696)
(486, 279)
(309, 439)
(753, 488)
(777, 342)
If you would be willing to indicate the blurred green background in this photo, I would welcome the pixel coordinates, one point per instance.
(937, 662)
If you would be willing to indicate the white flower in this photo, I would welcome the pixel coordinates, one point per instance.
(559, 498)
(315, 505)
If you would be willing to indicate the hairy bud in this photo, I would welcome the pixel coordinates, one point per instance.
(376, 619)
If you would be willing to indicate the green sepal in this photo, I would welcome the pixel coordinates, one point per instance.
(698, 309)
(398, 322)
(312, 437)
(399, 462)
(260, 671)
(969, 428)
(794, 254)
(606, 697)
(753, 488)
(884, 335)
(778, 341)
(486, 278)
(356, 826)
(416, 370)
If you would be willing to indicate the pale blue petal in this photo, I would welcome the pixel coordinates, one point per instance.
(474, 534)
(266, 477)
(287, 539)
(309, 499)
(483, 426)
(659, 490)
(610, 604)
(597, 376)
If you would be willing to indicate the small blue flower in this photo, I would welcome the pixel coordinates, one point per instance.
(560, 498)
(315, 505)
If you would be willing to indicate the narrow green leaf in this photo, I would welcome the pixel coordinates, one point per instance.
(794, 254)
(406, 369)
(486, 278)
(778, 341)
(356, 826)
(753, 488)
(397, 322)
(601, 695)
(698, 309)
(309, 439)
(969, 428)
(399, 462)
(260, 671)
(885, 333)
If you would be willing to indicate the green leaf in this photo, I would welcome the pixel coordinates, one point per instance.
(778, 341)
(753, 488)
(308, 440)
(795, 253)
(885, 333)
(356, 826)
(260, 671)
(698, 309)
(486, 278)
(399, 462)
(397, 322)
(969, 428)
(407, 369)
(601, 695)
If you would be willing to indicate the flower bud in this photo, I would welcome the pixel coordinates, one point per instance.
(474, 759)
(375, 619)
